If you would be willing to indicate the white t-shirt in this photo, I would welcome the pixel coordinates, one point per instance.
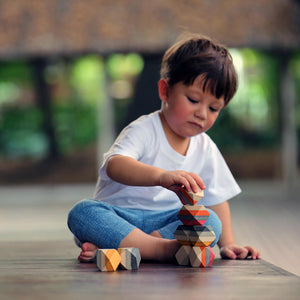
(145, 141)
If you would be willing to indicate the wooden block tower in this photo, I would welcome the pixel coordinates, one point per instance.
(194, 237)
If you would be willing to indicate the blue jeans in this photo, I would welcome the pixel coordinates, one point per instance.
(106, 226)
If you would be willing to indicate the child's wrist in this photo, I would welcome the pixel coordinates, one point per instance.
(226, 244)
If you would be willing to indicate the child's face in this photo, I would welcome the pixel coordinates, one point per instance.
(188, 110)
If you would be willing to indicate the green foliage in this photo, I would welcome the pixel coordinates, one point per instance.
(255, 103)
(75, 126)
(252, 117)
(250, 120)
(15, 71)
(87, 77)
(124, 65)
(14, 76)
(20, 133)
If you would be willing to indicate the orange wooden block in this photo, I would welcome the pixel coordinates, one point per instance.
(193, 214)
(108, 259)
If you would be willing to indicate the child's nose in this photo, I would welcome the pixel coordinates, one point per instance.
(201, 113)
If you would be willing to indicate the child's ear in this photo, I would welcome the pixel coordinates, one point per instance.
(163, 89)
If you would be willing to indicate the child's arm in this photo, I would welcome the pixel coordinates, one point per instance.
(228, 248)
(129, 171)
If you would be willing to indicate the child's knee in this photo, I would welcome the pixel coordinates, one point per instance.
(77, 216)
(214, 221)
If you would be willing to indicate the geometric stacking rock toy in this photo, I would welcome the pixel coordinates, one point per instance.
(194, 236)
(130, 258)
(123, 258)
(190, 197)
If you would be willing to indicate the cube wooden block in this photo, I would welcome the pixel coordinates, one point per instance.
(193, 214)
(130, 258)
(201, 236)
(201, 257)
(190, 197)
(108, 259)
(182, 255)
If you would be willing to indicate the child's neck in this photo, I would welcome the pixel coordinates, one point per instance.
(178, 143)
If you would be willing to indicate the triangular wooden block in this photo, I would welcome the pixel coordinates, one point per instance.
(193, 214)
(201, 257)
(190, 197)
(108, 259)
(182, 255)
(130, 258)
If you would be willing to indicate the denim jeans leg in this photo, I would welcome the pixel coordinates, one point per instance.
(97, 222)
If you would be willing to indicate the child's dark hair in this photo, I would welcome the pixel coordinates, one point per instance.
(198, 55)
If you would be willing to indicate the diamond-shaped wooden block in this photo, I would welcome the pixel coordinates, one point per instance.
(197, 235)
(181, 235)
(202, 236)
(193, 214)
(182, 255)
(190, 197)
(130, 258)
(108, 259)
(201, 257)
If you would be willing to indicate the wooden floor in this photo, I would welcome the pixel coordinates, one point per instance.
(38, 257)
(46, 270)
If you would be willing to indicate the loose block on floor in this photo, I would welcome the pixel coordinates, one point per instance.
(201, 257)
(190, 197)
(193, 214)
(130, 258)
(108, 259)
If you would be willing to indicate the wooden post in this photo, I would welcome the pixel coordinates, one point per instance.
(106, 119)
(288, 129)
(43, 100)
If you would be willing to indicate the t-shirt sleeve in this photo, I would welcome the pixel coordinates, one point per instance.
(131, 142)
(219, 181)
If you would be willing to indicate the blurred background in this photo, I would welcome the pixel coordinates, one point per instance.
(74, 73)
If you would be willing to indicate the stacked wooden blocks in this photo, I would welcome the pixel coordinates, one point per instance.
(122, 258)
(194, 237)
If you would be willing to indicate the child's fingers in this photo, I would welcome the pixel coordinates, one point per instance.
(242, 252)
(195, 181)
(238, 252)
(199, 183)
(254, 253)
(227, 252)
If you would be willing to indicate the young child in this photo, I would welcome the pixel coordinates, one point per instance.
(135, 201)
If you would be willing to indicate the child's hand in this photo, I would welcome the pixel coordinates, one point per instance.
(174, 180)
(239, 252)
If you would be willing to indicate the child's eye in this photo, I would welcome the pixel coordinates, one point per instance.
(214, 109)
(192, 100)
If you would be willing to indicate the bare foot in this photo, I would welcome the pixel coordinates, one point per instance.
(88, 252)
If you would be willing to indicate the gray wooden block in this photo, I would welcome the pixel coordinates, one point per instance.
(130, 258)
